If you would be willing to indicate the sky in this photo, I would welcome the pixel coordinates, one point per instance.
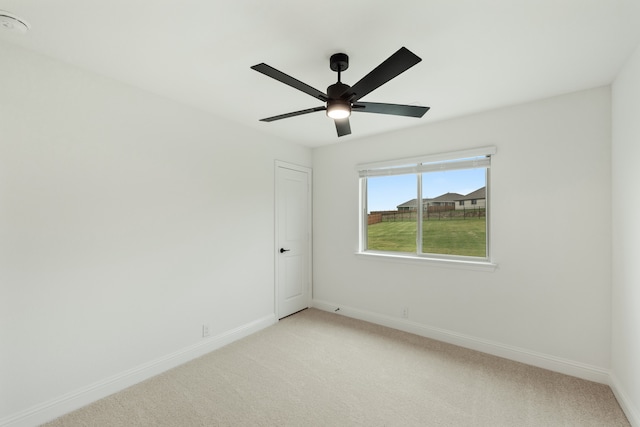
(385, 193)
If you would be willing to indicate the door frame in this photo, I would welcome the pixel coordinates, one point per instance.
(276, 237)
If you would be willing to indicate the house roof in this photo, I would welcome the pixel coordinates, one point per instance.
(447, 197)
(480, 193)
(410, 204)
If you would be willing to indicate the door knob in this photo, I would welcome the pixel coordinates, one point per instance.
(283, 250)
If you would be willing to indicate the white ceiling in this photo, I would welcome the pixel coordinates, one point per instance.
(477, 54)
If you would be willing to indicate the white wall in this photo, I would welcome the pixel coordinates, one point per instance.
(550, 298)
(626, 237)
(126, 222)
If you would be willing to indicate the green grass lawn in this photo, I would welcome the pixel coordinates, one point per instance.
(451, 237)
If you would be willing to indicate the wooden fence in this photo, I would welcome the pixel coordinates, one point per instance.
(435, 214)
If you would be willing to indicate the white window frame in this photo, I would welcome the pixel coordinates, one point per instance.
(464, 159)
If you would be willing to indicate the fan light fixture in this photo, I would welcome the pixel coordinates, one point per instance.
(338, 109)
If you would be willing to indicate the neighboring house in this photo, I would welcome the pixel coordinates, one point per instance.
(447, 199)
(408, 206)
(474, 200)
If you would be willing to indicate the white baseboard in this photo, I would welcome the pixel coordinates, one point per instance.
(631, 411)
(61, 405)
(545, 361)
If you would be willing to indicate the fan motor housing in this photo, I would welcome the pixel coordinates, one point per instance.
(335, 91)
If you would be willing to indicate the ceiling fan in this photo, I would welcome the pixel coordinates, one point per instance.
(342, 99)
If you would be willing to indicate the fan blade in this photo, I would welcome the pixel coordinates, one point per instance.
(288, 80)
(395, 109)
(295, 113)
(392, 67)
(343, 127)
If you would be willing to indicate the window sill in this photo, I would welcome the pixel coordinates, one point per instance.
(437, 262)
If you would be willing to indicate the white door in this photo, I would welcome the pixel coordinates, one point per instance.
(293, 238)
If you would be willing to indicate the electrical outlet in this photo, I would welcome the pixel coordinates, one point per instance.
(405, 312)
(205, 331)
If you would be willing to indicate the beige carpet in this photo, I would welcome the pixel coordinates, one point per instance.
(322, 369)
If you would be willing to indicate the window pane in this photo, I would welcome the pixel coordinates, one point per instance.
(452, 223)
(392, 214)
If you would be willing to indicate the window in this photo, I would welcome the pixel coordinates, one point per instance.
(416, 207)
